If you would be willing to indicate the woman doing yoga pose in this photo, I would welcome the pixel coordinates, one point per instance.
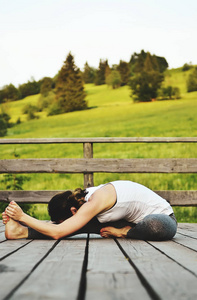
(145, 214)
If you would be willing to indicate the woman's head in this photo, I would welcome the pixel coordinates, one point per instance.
(60, 206)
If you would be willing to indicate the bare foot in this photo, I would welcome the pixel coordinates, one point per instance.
(114, 232)
(14, 230)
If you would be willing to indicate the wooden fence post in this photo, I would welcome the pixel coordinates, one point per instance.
(88, 153)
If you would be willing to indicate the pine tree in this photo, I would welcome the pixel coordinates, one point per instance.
(148, 65)
(139, 63)
(46, 86)
(124, 70)
(70, 94)
(102, 72)
(88, 74)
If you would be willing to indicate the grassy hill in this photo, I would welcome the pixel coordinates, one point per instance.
(176, 77)
(111, 113)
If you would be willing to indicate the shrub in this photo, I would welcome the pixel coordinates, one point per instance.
(169, 93)
(30, 110)
(54, 109)
(186, 67)
(18, 121)
(114, 79)
(45, 101)
(29, 107)
(31, 115)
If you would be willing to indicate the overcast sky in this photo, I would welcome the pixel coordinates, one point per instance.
(37, 35)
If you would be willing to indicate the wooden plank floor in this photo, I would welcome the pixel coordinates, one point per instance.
(89, 268)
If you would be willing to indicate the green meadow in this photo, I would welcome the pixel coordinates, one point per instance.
(111, 113)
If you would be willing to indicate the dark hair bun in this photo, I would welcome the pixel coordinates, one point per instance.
(79, 193)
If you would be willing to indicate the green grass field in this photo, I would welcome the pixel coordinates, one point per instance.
(111, 113)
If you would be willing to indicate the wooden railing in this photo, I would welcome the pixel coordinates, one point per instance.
(89, 165)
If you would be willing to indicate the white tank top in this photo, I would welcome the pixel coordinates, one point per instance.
(133, 202)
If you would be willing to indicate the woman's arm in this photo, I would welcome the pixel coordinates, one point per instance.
(69, 226)
(101, 200)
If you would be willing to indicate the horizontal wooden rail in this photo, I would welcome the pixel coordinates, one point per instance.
(101, 140)
(89, 165)
(176, 198)
(99, 165)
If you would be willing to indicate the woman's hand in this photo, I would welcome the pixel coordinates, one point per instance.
(14, 211)
(5, 218)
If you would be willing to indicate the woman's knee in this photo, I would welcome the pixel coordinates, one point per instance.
(161, 227)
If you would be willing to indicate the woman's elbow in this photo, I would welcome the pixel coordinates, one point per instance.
(57, 235)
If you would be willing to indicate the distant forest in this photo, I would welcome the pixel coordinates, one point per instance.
(144, 74)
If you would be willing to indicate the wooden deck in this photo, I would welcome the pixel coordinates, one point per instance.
(96, 268)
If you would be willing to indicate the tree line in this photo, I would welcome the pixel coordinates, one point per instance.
(11, 93)
(144, 74)
(124, 73)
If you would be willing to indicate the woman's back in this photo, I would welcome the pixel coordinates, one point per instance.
(133, 202)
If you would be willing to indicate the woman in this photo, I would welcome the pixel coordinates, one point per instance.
(150, 216)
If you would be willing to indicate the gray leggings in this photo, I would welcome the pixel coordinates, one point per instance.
(155, 227)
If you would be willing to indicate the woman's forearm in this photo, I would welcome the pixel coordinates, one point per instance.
(67, 227)
(14, 211)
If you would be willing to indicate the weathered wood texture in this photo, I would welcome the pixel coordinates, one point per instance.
(182, 239)
(95, 268)
(89, 165)
(110, 276)
(101, 140)
(17, 267)
(176, 198)
(180, 251)
(187, 228)
(99, 165)
(88, 153)
(58, 276)
(164, 274)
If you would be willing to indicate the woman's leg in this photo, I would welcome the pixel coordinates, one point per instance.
(93, 226)
(156, 227)
(15, 230)
(33, 234)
